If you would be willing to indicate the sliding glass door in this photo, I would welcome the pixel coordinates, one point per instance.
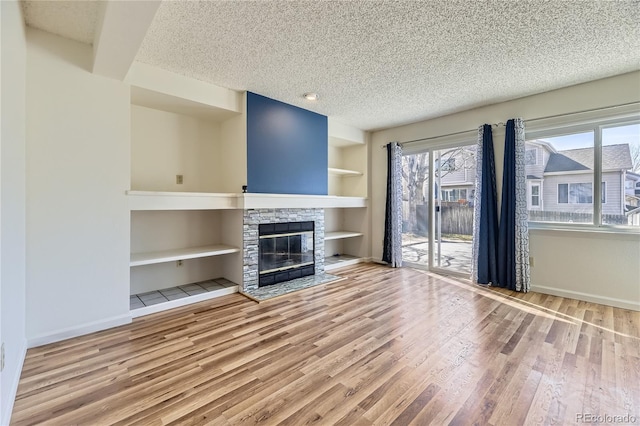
(438, 191)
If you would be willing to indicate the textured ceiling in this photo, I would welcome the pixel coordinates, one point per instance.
(381, 64)
(71, 19)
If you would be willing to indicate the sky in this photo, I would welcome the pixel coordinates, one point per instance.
(611, 136)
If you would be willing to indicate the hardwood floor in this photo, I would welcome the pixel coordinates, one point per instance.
(385, 346)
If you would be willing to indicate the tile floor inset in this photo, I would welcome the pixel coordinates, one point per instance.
(150, 298)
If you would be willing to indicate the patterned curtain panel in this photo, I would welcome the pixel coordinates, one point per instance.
(484, 267)
(513, 237)
(392, 252)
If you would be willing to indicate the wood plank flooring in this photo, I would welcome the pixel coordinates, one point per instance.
(384, 347)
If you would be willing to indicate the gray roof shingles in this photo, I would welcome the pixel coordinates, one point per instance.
(614, 157)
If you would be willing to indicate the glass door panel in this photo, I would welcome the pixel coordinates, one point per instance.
(454, 176)
(415, 209)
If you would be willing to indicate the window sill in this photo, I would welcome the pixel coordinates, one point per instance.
(576, 227)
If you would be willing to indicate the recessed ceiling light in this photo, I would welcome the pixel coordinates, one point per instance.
(310, 96)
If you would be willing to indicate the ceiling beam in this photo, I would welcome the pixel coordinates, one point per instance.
(121, 28)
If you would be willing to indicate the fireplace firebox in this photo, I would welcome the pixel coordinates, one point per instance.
(286, 252)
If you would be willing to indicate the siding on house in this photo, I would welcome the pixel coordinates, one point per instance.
(613, 201)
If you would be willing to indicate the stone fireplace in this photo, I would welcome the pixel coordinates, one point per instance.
(286, 252)
(278, 266)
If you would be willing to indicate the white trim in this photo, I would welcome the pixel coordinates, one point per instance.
(293, 201)
(350, 262)
(587, 297)
(154, 200)
(70, 332)
(13, 389)
(584, 227)
(530, 185)
(578, 122)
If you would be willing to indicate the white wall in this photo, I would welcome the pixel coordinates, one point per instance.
(165, 144)
(231, 157)
(602, 268)
(78, 169)
(623, 281)
(12, 204)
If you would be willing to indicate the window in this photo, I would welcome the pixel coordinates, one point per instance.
(453, 195)
(578, 193)
(582, 172)
(531, 157)
(534, 198)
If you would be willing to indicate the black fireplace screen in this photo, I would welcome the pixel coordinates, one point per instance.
(286, 252)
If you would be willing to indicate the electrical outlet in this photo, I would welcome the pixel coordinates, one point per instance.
(179, 179)
(179, 263)
(2, 357)
(531, 261)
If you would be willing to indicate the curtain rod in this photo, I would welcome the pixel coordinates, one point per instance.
(503, 124)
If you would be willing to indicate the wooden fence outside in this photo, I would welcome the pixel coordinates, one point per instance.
(568, 217)
(458, 218)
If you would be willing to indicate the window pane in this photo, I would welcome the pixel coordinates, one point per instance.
(621, 163)
(580, 193)
(563, 193)
(564, 166)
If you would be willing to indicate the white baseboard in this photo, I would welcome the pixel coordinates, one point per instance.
(13, 390)
(345, 263)
(70, 332)
(587, 297)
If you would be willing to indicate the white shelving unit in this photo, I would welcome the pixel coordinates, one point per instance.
(346, 231)
(150, 258)
(185, 185)
(338, 235)
(162, 200)
(344, 172)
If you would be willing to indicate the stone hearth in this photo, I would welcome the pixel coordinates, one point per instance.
(254, 217)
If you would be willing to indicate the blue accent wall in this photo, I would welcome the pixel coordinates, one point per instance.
(287, 149)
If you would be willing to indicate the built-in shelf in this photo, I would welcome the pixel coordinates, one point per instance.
(336, 235)
(155, 200)
(295, 201)
(344, 172)
(152, 200)
(149, 258)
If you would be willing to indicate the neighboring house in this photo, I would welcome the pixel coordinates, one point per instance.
(562, 181)
(557, 181)
(632, 189)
